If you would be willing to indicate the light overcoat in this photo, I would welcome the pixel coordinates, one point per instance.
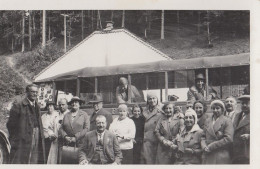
(218, 138)
(150, 142)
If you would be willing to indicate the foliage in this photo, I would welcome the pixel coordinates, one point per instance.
(10, 83)
(36, 60)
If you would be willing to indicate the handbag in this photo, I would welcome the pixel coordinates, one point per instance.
(69, 155)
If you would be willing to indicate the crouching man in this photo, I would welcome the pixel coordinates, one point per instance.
(99, 146)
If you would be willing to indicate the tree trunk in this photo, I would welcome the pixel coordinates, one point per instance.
(178, 21)
(162, 26)
(112, 15)
(198, 28)
(23, 30)
(208, 31)
(92, 20)
(145, 29)
(49, 35)
(99, 18)
(97, 21)
(123, 19)
(33, 21)
(43, 28)
(70, 33)
(82, 24)
(30, 30)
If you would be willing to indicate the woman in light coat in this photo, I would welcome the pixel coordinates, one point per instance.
(152, 114)
(50, 130)
(166, 130)
(217, 136)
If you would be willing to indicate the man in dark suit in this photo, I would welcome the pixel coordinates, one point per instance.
(100, 146)
(98, 110)
(241, 144)
(26, 131)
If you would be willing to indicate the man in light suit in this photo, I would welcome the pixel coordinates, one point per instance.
(241, 144)
(100, 146)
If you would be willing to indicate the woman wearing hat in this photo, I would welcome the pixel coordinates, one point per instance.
(50, 130)
(217, 136)
(166, 130)
(187, 147)
(75, 123)
(150, 143)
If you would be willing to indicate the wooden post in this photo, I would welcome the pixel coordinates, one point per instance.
(207, 82)
(82, 24)
(129, 89)
(65, 86)
(123, 19)
(78, 87)
(30, 30)
(166, 85)
(53, 90)
(147, 81)
(96, 84)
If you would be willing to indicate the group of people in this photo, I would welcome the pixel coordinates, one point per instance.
(154, 135)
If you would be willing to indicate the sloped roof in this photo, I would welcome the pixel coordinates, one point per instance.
(104, 48)
(158, 66)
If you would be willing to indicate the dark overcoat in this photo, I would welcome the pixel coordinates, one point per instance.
(218, 138)
(103, 112)
(20, 127)
(240, 147)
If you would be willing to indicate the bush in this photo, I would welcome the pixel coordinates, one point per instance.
(35, 61)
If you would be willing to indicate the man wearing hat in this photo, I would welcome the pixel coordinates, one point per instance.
(241, 144)
(198, 92)
(98, 110)
(122, 92)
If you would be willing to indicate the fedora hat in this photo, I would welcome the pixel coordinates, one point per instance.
(244, 97)
(76, 98)
(96, 99)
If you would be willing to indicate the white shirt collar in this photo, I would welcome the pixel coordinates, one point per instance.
(31, 103)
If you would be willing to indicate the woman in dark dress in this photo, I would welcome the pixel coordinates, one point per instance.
(139, 120)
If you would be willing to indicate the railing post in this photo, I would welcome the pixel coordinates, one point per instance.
(166, 85)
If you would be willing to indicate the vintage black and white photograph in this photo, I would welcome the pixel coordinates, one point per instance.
(121, 86)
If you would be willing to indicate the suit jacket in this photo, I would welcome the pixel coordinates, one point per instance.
(100, 112)
(20, 127)
(122, 97)
(111, 147)
(202, 119)
(218, 138)
(193, 94)
(77, 128)
(241, 148)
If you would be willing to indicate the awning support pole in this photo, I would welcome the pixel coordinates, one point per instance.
(129, 89)
(53, 90)
(166, 85)
(207, 82)
(96, 85)
(78, 87)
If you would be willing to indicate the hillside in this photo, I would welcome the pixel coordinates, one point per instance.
(180, 42)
